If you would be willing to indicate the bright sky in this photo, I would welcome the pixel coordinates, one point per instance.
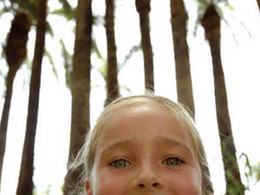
(240, 62)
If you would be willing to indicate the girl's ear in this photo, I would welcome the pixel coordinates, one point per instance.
(88, 187)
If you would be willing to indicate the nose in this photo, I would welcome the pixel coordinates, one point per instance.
(147, 185)
(147, 179)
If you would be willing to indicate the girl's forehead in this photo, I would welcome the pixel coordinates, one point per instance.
(145, 119)
(122, 114)
(127, 112)
(134, 111)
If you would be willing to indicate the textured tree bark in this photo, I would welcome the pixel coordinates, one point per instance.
(211, 24)
(25, 184)
(181, 53)
(80, 88)
(143, 8)
(112, 81)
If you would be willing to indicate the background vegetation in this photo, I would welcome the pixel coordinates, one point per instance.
(99, 50)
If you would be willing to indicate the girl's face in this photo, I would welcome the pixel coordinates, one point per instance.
(144, 150)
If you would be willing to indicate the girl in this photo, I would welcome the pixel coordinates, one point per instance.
(144, 145)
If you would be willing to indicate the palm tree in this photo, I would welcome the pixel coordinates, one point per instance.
(211, 24)
(15, 51)
(25, 183)
(112, 82)
(80, 88)
(258, 3)
(181, 52)
(143, 8)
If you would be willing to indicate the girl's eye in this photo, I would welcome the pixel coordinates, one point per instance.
(120, 163)
(172, 161)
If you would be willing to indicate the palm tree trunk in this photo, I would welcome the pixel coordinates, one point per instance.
(15, 51)
(112, 82)
(80, 88)
(143, 8)
(211, 24)
(5, 117)
(181, 53)
(258, 3)
(25, 184)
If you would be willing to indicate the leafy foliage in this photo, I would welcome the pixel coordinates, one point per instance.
(67, 11)
(252, 172)
(15, 6)
(219, 6)
(15, 49)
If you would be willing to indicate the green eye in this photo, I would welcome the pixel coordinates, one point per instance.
(172, 161)
(120, 163)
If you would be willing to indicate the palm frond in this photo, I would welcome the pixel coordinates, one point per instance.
(49, 56)
(67, 63)
(66, 10)
(133, 50)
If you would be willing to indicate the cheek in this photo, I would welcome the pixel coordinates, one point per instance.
(185, 183)
(107, 182)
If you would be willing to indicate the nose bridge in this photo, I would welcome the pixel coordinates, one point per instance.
(147, 167)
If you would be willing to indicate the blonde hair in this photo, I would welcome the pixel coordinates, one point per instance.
(86, 156)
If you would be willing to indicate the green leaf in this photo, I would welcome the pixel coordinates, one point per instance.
(229, 6)
(256, 170)
(54, 70)
(67, 64)
(67, 11)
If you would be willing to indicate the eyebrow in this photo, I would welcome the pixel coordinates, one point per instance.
(120, 144)
(172, 143)
(162, 140)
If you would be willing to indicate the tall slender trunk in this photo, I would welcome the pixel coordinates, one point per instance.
(15, 55)
(112, 81)
(258, 3)
(25, 184)
(181, 53)
(211, 24)
(5, 117)
(143, 8)
(80, 89)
